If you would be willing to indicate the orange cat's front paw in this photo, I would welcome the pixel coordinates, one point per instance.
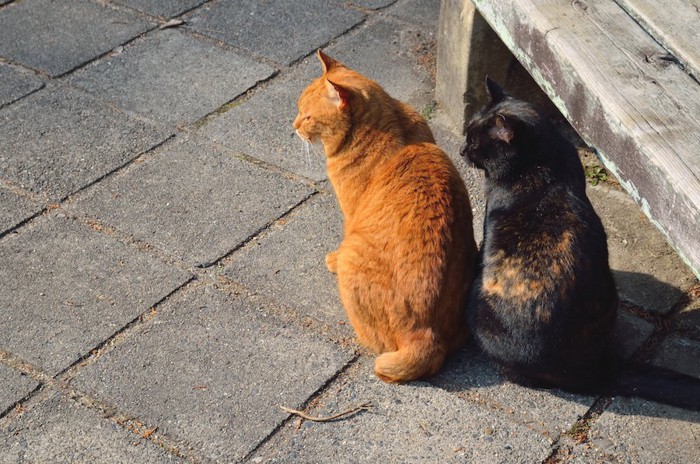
(332, 261)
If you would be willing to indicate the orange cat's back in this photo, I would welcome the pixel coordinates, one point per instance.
(412, 239)
(406, 260)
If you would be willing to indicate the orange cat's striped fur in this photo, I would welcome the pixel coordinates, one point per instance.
(406, 259)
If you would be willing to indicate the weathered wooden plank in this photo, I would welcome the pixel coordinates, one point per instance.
(590, 58)
(674, 23)
(679, 91)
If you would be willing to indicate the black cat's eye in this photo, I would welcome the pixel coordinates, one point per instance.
(468, 146)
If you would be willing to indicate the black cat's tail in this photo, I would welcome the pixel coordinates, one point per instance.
(656, 384)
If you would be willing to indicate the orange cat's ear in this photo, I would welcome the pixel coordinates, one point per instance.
(338, 95)
(327, 62)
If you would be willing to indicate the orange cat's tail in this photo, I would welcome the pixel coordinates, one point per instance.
(420, 356)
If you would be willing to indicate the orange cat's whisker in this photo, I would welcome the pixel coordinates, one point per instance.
(307, 147)
(306, 151)
(317, 148)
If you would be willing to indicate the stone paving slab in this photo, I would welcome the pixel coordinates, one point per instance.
(632, 332)
(192, 200)
(372, 4)
(287, 262)
(15, 386)
(15, 84)
(387, 54)
(647, 270)
(56, 37)
(210, 371)
(262, 125)
(283, 31)
(61, 430)
(59, 140)
(171, 77)
(470, 375)
(66, 288)
(640, 432)
(680, 354)
(14, 209)
(408, 424)
(422, 12)
(689, 318)
(164, 8)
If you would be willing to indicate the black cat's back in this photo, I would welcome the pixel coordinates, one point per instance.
(544, 276)
(543, 303)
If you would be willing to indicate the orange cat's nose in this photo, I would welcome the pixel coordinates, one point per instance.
(297, 121)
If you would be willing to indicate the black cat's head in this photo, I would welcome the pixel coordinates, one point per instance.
(504, 135)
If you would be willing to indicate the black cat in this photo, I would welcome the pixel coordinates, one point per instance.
(543, 304)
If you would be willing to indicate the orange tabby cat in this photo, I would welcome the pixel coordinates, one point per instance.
(406, 260)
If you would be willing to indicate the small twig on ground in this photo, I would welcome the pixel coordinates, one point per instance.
(303, 415)
(172, 23)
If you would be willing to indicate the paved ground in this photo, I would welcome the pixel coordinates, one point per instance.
(162, 233)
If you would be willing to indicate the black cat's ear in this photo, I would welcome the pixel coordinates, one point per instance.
(496, 92)
(501, 129)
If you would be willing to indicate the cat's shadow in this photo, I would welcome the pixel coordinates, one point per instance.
(470, 373)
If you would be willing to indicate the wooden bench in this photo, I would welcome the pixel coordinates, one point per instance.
(624, 73)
